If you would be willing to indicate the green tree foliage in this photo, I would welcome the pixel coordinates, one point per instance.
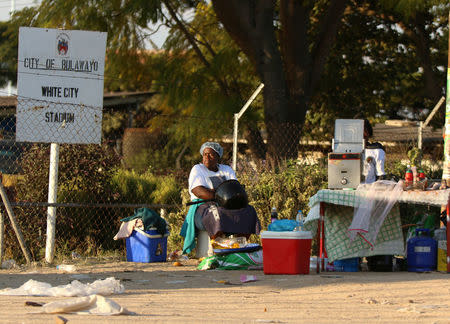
(7, 68)
(342, 56)
(124, 22)
(317, 59)
(205, 79)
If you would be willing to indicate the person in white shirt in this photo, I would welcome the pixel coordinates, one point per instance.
(205, 177)
(374, 157)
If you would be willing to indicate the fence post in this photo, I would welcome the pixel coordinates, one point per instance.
(52, 195)
(236, 119)
(2, 231)
(14, 223)
(419, 135)
(422, 125)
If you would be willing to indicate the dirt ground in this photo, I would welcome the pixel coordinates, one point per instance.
(164, 293)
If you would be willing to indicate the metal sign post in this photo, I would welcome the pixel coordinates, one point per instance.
(60, 97)
(52, 198)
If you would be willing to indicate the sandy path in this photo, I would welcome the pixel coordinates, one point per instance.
(160, 292)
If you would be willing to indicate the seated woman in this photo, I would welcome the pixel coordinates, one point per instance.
(204, 179)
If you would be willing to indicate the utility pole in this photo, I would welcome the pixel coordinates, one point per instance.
(13, 7)
(446, 167)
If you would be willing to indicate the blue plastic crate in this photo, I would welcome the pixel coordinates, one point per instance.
(147, 246)
(346, 265)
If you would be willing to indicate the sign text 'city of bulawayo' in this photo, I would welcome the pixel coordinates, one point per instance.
(60, 85)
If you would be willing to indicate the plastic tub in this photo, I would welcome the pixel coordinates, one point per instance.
(147, 246)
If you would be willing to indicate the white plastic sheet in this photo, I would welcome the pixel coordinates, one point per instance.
(88, 305)
(378, 199)
(32, 287)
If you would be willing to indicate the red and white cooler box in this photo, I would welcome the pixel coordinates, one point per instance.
(286, 252)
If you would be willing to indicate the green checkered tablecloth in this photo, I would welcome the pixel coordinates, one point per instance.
(339, 215)
(338, 245)
(353, 197)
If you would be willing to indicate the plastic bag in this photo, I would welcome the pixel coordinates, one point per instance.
(283, 225)
(377, 200)
(32, 287)
(229, 242)
(233, 261)
(94, 305)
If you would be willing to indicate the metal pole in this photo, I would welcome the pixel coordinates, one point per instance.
(235, 139)
(13, 7)
(52, 195)
(446, 171)
(435, 109)
(2, 231)
(424, 124)
(446, 166)
(236, 119)
(419, 135)
(14, 224)
(448, 237)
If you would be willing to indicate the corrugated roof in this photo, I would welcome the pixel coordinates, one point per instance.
(8, 101)
(409, 133)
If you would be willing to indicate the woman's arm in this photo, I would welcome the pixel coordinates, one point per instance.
(204, 193)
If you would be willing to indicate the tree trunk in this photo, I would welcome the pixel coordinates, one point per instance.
(255, 141)
(290, 78)
(250, 24)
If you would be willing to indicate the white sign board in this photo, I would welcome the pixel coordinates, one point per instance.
(60, 86)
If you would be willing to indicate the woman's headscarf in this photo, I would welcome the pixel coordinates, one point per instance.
(213, 145)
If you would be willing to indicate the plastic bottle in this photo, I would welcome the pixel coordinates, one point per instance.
(273, 215)
(299, 219)
(440, 234)
(66, 267)
(421, 175)
(409, 177)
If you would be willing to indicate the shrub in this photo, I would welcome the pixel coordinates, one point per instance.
(145, 188)
(83, 177)
(288, 188)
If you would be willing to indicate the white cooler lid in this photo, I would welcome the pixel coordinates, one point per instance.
(286, 235)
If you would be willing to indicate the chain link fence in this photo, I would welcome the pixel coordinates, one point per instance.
(142, 166)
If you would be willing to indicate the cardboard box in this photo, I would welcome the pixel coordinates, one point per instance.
(147, 246)
(286, 252)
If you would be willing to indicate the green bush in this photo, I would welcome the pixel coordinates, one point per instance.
(146, 188)
(131, 187)
(83, 177)
(397, 169)
(288, 189)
